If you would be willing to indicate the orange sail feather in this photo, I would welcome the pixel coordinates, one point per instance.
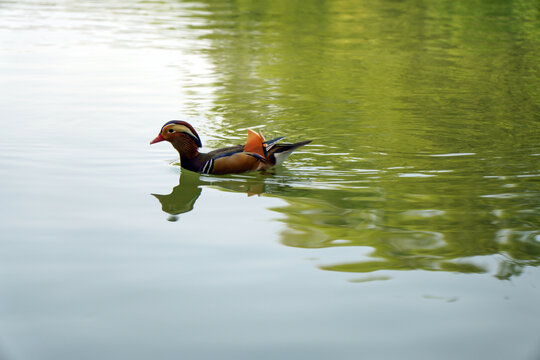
(254, 143)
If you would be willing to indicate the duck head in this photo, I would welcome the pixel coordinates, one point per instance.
(182, 136)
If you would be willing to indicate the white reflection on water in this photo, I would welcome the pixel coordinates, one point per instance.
(91, 57)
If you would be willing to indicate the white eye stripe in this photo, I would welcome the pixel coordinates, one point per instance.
(182, 128)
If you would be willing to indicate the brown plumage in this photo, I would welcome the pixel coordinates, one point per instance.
(256, 154)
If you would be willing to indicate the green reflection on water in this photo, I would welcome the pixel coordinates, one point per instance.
(428, 239)
(425, 116)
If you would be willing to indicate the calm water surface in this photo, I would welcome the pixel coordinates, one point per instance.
(409, 228)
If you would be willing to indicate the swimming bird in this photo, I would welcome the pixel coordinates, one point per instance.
(256, 154)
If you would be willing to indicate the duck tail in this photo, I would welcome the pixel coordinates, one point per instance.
(283, 150)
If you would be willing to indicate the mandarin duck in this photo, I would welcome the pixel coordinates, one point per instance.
(256, 154)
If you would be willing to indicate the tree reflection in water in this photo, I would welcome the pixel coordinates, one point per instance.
(459, 240)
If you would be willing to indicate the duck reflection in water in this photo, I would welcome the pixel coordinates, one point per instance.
(183, 196)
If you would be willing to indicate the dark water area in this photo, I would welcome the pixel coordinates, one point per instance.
(409, 227)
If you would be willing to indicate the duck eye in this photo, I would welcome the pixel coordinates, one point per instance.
(171, 130)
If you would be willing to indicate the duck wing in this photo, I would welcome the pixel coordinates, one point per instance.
(226, 151)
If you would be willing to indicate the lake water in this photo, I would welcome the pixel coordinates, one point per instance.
(408, 229)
